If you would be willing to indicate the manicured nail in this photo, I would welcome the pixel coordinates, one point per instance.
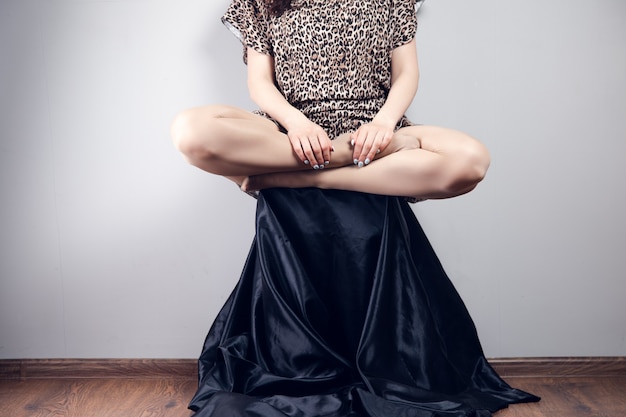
(326, 162)
(332, 149)
(321, 166)
(378, 151)
(367, 161)
(356, 161)
(316, 167)
(306, 162)
(352, 142)
(361, 164)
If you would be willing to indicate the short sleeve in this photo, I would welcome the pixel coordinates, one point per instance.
(404, 21)
(248, 20)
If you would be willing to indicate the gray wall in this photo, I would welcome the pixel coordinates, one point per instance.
(111, 246)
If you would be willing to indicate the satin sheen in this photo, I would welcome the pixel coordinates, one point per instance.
(343, 309)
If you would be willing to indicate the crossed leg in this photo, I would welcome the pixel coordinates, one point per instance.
(426, 162)
(229, 141)
(421, 161)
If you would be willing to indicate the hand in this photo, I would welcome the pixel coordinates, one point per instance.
(368, 140)
(311, 144)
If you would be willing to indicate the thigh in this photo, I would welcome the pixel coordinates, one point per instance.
(207, 115)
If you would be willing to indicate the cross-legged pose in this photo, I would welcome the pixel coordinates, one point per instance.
(343, 308)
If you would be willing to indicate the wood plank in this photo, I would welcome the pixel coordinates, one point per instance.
(181, 368)
(570, 397)
(560, 367)
(569, 387)
(96, 397)
(562, 397)
(98, 368)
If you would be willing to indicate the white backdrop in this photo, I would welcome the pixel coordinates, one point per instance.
(111, 246)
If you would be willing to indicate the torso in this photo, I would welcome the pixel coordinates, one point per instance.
(333, 50)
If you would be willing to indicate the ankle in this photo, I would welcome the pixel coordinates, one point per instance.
(343, 151)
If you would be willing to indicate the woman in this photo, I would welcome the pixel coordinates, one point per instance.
(343, 308)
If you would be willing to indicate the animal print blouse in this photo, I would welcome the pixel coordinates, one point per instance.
(332, 57)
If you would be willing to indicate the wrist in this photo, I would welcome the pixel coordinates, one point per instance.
(384, 120)
(294, 119)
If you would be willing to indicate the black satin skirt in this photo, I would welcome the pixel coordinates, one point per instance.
(343, 309)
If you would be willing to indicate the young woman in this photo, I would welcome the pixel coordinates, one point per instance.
(343, 308)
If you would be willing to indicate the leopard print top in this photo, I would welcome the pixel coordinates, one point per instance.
(332, 57)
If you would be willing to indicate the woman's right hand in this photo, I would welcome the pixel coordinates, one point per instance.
(310, 143)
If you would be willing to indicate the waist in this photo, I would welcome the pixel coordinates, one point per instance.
(329, 106)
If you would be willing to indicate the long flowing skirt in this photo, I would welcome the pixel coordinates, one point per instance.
(343, 309)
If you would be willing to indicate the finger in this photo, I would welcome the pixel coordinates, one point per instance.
(368, 143)
(297, 148)
(308, 151)
(374, 150)
(386, 141)
(365, 139)
(359, 137)
(318, 155)
(327, 146)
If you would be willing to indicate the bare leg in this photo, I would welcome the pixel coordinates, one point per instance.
(235, 143)
(426, 162)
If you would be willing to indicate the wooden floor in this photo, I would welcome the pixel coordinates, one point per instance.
(96, 397)
(593, 387)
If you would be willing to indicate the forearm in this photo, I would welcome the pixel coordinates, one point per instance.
(404, 82)
(309, 141)
(398, 101)
(263, 91)
(270, 100)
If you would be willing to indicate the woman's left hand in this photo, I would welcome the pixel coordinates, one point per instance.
(369, 140)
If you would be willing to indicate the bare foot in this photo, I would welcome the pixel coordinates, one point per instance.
(400, 142)
(246, 186)
(237, 179)
(342, 156)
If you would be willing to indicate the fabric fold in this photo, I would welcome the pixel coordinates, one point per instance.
(343, 309)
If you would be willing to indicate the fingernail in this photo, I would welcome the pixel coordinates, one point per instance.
(367, 161)
(316, 167)
(352, 142)
(326, 162)
(332, 149)
(356, 161)
(321, 166)
(361, 164)
(306, 162)
(378, 151)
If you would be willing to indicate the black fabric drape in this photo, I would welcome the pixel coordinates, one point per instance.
(343, 309)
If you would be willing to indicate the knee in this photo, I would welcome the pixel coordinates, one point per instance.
(188, 133)
(468, 168)
(477, 161)
(183, 131)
